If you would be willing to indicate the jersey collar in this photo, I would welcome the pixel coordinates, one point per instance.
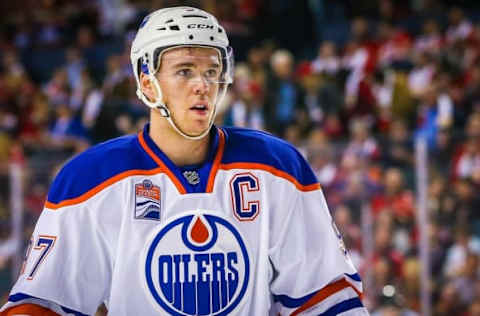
(206, 171)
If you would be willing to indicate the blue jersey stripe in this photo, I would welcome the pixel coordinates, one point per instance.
(244, 145)
(14, 298)
(291, 302)
(97, 165)
(355, 277)
(343, 307)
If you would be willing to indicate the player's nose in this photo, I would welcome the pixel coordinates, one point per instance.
(201, 85)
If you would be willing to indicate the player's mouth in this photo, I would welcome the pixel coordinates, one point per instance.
(200, 108)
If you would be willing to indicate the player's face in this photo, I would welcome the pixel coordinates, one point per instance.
(189, 80)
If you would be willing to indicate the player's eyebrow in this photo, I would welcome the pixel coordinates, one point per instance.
(188, 64)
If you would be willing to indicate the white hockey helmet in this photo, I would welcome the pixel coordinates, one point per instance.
(173, 27)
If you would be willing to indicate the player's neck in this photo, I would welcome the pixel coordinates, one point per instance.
(181, 151)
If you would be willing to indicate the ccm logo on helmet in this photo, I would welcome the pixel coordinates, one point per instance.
(200, 26)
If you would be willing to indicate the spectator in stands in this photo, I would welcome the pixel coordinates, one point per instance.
(460, 28)
(327, 61)
(466, 278)
(448, 302)
(282, 104)
(34, 121)
(394, 45)
(430, 41)
(396, 197)
(246, 109)
(410, 283)
(351, 232)
(382, 275)
(442, 207)
(323, 165)
(257, 62)
(458, 252)
(442, 153)
(384, 251)
(362, 144)
(396, 146)
(57, 89)
(321, 94)
(421, 76)
(74, 67)
(67, 130)
(468, 161)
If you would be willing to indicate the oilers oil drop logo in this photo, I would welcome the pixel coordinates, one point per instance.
(197, 264)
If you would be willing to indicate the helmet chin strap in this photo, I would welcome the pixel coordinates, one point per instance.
(165, 112)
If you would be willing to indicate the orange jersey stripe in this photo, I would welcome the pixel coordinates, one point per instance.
(216, 162)
(100, 187)
(160, 163)
(324, 293)
(28, 309)
(272, 170)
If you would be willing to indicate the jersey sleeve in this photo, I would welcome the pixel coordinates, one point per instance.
(312, 272)
(67, 267)
(28, 309)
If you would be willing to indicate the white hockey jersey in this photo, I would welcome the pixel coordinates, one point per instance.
(246, 233)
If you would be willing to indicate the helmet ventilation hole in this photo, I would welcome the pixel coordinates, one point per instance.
(194, 16)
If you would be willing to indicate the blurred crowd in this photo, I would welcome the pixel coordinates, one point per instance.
(352, 85)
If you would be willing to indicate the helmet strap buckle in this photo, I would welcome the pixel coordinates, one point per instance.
(164, 112)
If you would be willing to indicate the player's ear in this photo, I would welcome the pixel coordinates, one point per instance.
(147, 86)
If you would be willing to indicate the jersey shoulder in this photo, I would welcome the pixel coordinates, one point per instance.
(252, 147)
(96, 165)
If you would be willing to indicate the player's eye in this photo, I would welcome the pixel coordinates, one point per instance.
(211, 73)
(187, 73)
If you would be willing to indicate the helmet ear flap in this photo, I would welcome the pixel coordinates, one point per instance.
(144, 67)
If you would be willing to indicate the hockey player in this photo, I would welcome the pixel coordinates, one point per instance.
(186, 218)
